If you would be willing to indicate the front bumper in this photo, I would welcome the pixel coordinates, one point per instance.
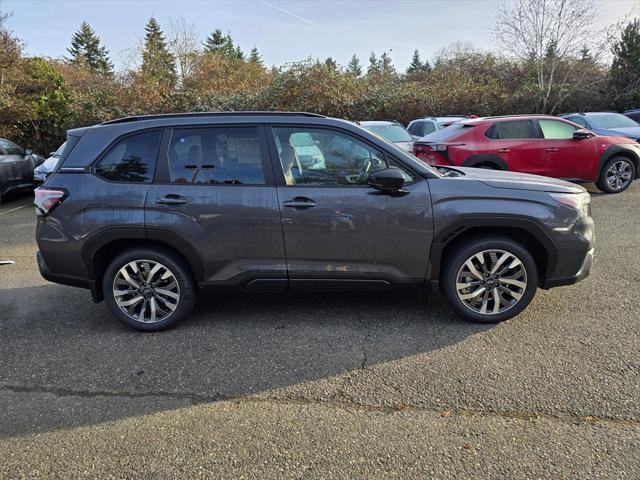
(582, 273)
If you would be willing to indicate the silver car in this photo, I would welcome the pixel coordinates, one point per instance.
(391, 131)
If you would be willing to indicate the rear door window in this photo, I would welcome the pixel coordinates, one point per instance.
(512, 130)
(219, 155)
(132, 159)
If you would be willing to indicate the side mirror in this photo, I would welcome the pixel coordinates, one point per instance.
(581, 134)
(387, 180)
(28, 151)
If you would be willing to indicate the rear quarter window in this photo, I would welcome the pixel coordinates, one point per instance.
(132, 159)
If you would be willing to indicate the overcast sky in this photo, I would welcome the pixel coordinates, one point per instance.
(283, 31)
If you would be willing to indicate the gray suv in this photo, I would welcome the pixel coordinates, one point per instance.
(147, 211)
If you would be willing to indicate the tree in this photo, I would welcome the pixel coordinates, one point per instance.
(87, 52)
(625, 69)
(330, 63)
(374, 65)
(255, 57)
(222, 44)
(10, 47)
(548, 34)
(416, 64)
(184, 43)
(238, 53)
(158, 64)
(353, 67)
(386, 66)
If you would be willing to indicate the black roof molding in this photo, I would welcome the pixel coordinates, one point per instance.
(208, 114)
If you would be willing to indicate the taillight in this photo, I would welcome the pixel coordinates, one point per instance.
(47, 199)
(430, 153)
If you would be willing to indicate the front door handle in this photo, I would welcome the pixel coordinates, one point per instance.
(171, 199)
(300, 203)
(552, 149)
(504, 150)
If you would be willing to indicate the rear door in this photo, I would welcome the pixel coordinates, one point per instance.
(566, 157)
(214, 195)
(339, 231)
(518, 143)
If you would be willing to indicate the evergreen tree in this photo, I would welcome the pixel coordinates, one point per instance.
(416, 64)
(238, 53)
(157, 62)
(374, 65)
(215, 42)
(86, 51)
(255, 57)
(386, 65)
(353, 67)
(625, 69)
(330, 63)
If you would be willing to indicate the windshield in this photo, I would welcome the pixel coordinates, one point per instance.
(615, 120)
(391, 133)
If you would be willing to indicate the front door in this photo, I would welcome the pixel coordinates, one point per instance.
(567, 157)
(339, 231)
(214, 192)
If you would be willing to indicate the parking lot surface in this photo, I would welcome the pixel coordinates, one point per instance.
(324, 386)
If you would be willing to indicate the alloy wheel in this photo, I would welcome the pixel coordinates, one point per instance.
(146, 291)
(619, 175)
(491, 282)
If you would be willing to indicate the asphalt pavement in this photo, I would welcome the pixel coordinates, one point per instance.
(324, 386)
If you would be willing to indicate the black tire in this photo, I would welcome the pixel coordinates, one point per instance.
(186, 287)
(602, 182)
(488, 166)
(464, 252)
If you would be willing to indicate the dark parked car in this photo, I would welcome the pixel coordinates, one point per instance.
(145, 211)
(610, 124)
(16, 167)
(633, 115)
(537, 144)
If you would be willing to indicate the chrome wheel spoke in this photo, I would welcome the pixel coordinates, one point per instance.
(491, 282)
(146, 291)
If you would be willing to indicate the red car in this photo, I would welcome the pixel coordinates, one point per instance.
(538, 144)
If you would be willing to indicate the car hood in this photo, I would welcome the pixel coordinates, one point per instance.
(520, 181)
(629, 132)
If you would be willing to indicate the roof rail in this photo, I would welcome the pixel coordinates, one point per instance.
(161, 116)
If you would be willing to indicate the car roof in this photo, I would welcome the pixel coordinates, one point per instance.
(505, 118)
(590, 114)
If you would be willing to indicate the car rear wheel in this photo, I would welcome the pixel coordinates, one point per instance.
(489, 280)
(617, 174)
(149, 289)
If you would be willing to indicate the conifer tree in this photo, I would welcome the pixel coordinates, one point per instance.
(157, 62)
(86, 51)
(353, 67)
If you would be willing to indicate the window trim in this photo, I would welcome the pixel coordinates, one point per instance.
(277, 166)
(534, 127)
(107, 150)
(163, 170)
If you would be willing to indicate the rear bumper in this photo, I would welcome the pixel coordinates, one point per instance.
(67, 279)
(582, 273)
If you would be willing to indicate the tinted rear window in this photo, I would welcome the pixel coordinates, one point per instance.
(447, 133)
(512, 130)
(131, 159)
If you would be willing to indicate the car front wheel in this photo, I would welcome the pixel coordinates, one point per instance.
(150, 289)
(617, 174)
(489, 280)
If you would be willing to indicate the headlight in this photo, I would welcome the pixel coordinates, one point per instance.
(578, 201)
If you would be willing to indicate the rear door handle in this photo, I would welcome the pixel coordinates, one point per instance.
(552, 149)
(300, 203)
(504, 150)
(171, 199)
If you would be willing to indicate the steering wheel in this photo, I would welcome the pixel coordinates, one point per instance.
(363, 174)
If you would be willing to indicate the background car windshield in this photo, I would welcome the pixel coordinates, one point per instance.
(391, 133)
(614, 120)
(59, 151)
(445, 133)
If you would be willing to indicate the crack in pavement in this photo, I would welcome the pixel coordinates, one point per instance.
(196, 399)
